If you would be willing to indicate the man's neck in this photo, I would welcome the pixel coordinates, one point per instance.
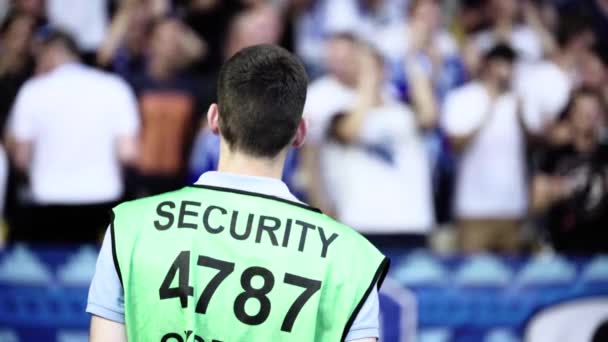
(63, 60)
(565, 60)
(246, 165)
(503, 25)
(492, 87)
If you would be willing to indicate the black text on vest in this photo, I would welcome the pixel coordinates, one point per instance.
(264, 229)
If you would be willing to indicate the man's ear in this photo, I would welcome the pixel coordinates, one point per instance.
(300, 137)
(213, 119)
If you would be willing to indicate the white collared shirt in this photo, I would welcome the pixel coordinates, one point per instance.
(491, 181)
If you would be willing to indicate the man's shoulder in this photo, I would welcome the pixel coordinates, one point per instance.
(34, 84)
(470, 88)
(545, 71)
(470, 92)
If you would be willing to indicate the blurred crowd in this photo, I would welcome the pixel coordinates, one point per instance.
(469, 126)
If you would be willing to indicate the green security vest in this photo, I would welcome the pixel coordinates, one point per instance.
(214, 264)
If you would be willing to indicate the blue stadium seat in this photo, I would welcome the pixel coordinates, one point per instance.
(421, 268)
(30, 269)
(80, 267)
(483, 270)
(70, 336)
(435, 335)
(596, 270)
(547, 270)
(8, 336)
(501, 335)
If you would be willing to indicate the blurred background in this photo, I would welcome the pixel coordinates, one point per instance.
(466, 139)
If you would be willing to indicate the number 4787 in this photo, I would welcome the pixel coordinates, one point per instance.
(183, 290)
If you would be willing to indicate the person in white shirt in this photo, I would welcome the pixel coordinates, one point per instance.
(379, 174)
(482, 121)
(72, 126)
(423, 38)
(326, 96)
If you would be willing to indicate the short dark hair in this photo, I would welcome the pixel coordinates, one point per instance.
(501, 51)
(56, 36)
(261, 95)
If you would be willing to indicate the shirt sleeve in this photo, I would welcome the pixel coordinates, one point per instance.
(367, 322)
(462, 114)
(542, 105)
(394, 126)
(23, 117)
(106, 296)
(556, 97)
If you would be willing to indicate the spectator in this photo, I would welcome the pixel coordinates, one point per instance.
(571, 187)
(123, 48)
(170, 106)
(73, 127)
(334, 91)
(529, 38)
(545, 87)
(257, 25)
(377, 169)
(326, 96)
(423, 37)
(482, 121)
(425, 65)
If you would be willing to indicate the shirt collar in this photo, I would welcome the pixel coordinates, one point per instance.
(261, 185)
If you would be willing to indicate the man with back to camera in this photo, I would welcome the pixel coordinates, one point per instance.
(236, 257)
(74, 128)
